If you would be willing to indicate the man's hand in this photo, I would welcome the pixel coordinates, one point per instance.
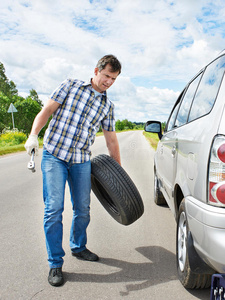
(32, 143)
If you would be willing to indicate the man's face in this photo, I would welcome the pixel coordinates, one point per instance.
(104, 79)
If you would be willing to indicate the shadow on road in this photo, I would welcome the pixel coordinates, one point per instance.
(160, 269)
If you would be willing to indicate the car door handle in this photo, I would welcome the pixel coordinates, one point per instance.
(174, 150)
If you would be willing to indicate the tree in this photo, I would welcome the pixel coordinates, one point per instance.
(119, 125)
(7, 87)
(5, 117)
(3, 79)
(34, 96)
(128, 124)
(27, 109)
(12, 88)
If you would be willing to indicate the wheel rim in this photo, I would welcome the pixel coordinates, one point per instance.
(182, 241)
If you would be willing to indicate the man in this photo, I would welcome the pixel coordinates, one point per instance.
(78, 109)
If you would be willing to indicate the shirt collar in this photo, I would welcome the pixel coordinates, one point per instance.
(88, 83)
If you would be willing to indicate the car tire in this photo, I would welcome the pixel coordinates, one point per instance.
(115, 190)
(189, 279)
(158, 196)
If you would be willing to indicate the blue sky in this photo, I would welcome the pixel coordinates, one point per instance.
(161, 44)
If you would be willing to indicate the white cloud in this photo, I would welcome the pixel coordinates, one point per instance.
(43, 42)
(140, 103)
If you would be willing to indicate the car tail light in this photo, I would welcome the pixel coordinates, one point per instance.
(216, 184)
(221, 152)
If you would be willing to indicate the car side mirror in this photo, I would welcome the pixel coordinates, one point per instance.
(154, 127)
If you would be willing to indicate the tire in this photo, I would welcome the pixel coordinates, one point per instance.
(158, 196)
(188, 279)
(115, 190)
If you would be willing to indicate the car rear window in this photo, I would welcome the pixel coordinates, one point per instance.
(208, 89)
(182, 115)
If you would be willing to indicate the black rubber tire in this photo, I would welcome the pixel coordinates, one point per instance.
(115, 190)
(158, 196)
(189, 279)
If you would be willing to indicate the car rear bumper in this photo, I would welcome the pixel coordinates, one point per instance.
(207, 226)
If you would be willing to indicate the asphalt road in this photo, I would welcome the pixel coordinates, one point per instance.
(136, 261)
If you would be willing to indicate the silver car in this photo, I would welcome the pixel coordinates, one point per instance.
(189, 172)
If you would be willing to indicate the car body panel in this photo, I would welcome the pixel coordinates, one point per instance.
(209, 239)
(167, 162)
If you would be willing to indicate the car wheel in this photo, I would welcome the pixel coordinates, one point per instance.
(158, 196)
(115, 190)
(188, 279)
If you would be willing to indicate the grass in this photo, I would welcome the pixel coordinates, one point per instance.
(11, 149)
(152, 139)
(7, 149)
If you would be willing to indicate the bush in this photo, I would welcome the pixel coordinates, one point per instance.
(12, 137)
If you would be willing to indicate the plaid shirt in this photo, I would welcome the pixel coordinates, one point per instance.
(75, 123)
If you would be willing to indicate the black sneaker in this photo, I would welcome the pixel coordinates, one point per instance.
(55, 277)
(86, 255)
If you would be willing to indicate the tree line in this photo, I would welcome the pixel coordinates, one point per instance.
(27, 108)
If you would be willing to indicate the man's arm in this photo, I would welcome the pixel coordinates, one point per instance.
(112, 144)
(39, 122)
(43, 116)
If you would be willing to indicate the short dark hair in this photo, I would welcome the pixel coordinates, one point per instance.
(112, 61)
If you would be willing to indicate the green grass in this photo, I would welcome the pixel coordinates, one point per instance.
(152, 139)
(11, 149)
(7, 149)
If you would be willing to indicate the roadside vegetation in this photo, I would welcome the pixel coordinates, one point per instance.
(15, 127)
(152, 139)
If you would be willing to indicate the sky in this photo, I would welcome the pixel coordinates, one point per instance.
(161, 45)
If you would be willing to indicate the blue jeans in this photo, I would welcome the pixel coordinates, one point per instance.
(55, 174)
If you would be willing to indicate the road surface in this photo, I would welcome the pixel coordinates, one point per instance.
(136, 261)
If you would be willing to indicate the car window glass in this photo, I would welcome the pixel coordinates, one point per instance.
(208, 88)
(173, 116)
(186, 102)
